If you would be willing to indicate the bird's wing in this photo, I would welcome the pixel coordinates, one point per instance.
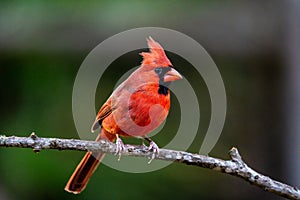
(110, 105)
(104, 111)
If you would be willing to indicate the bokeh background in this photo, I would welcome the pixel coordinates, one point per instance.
(255, 45)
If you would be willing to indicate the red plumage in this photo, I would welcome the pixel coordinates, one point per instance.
(137, 107)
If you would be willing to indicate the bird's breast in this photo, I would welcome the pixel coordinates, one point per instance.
(139, 112)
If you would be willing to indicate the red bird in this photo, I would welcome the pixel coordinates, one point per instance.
(137, 107)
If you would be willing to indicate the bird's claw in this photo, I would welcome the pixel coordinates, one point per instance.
(143, 144)
(120, 147)
(155, 150)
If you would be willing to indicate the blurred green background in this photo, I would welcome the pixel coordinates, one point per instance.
(43, 43)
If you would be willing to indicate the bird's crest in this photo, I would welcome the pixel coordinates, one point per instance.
(156, 55)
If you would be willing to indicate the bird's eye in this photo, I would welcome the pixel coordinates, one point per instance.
(158, 70)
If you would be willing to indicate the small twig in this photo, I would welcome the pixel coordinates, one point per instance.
(235, 166)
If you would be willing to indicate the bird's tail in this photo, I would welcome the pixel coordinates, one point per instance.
(86, 167)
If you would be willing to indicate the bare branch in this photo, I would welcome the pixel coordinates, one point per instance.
(235, 166)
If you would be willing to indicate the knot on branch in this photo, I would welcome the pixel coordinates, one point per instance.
(36, 147)
(235, 156)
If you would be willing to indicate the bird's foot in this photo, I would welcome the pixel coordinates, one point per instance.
(143, 144)
(120, 147)
(154, 148)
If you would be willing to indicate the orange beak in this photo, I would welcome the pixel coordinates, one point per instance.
(172, 75)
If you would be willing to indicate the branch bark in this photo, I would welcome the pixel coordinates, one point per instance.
(235, 166)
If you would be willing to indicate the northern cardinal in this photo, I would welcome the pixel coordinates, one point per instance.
(137, 107)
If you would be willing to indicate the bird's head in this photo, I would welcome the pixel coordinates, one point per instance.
(156, 63)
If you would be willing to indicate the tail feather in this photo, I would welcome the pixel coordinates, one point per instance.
(86, 168)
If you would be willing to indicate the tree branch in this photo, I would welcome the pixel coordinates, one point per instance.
(235, 166)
